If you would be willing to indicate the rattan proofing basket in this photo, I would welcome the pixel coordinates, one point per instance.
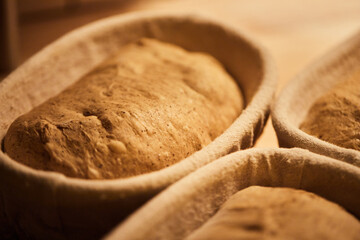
(186, 205)
(295, 100)
(48, 205)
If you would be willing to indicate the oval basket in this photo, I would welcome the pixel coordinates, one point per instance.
(293, 103)
(48, 205)
(190, 202)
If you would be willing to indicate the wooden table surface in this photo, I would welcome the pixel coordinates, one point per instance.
(295, 32)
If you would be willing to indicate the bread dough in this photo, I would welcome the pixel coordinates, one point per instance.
(335, 117)
(278, 213)
(148, 107)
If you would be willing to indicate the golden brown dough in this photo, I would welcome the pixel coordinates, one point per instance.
(278, 213)
(150, 106)
(335, 117)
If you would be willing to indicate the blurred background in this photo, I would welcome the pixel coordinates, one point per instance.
(296, 32)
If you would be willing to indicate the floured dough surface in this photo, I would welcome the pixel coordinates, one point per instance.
(278, 213)
(335, 117)
(150, 106)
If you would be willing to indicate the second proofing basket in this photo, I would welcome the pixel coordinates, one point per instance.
(293, 103)
(188, 204)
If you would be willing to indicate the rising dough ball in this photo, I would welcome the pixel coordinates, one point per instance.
(148, 107)
(335, 117)
(278, 213)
